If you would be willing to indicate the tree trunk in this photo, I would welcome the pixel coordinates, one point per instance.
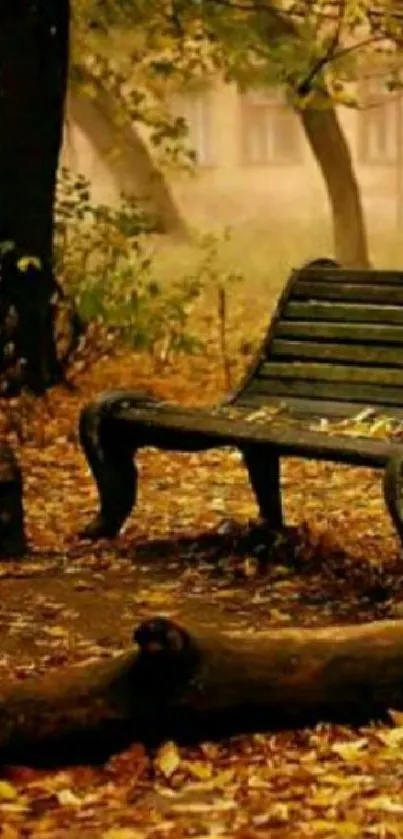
(12, 534)
(33, 69)
(329, 145)
(190, 685)
(126, 155)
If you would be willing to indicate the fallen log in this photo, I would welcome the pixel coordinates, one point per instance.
(188, 685)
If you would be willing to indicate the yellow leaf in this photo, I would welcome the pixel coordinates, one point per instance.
(385, 803)
(56, 631)
(350, 750)
(392, 737)
(168, 759)
(27, 262)
(7, 791)
(342, 828)
(224, 778)
(201, 771)
(67, 798)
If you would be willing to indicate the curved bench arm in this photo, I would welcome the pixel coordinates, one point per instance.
(110, 457)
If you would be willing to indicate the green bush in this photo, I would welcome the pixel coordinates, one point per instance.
(104, 259)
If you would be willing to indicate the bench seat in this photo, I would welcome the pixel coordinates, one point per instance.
(196, 429)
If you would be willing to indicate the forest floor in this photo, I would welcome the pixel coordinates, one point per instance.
(184, 554)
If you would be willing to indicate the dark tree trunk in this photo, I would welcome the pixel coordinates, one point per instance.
(189, 685)
(12, 534)
(330, 148)
(33, 71)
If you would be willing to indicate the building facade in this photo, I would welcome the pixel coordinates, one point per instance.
(253, 160)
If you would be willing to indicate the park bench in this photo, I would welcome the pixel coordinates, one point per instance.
(333, 350)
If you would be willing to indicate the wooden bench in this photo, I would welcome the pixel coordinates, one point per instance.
(334, 347)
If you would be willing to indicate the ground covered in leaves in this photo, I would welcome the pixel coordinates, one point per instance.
(192, 549)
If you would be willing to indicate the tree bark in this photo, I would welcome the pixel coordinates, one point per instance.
(189, 685)
(126, 154)
(33, 70)
(33, 67)
(329, 146)
(12, 533)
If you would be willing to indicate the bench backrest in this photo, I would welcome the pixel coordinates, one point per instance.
(335, 344)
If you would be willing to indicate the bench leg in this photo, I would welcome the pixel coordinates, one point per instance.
(393, 492)
(111, 462)
(263, 467)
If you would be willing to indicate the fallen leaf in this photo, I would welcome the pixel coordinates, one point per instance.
(7, 791)
(200, 770)
(67, 798)
(350, 750)
(167, 759)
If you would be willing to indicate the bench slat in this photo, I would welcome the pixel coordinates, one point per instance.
(321, 371)
(283, 348)
(345, 291)
(317, 408)
(356, 312)
(363, 334)
(351, 275)
(364, 393)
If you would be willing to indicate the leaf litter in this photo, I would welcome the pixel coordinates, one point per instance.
(194, 549)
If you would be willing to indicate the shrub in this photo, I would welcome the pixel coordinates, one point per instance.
(104, 258)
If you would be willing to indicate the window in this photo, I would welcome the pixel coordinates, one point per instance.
(195, 108)
(377, 129)
(270, 130)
